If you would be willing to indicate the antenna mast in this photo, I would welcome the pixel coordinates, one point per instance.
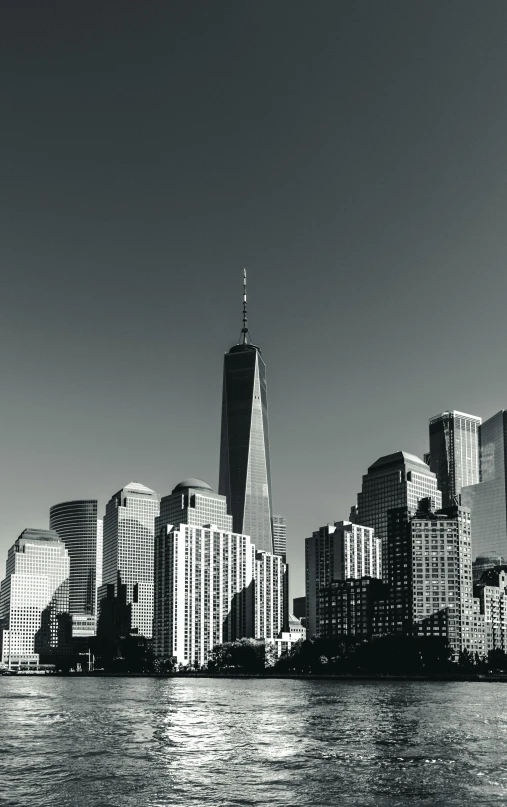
(244, 330)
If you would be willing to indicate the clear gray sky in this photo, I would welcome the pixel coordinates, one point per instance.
(352, 155)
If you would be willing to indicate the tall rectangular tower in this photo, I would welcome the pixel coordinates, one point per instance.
(429, 571)
(34, 598)
(454, 453)
(487, 500)
(245, 475)
(204, 591)
(128, 547)
(280, 536)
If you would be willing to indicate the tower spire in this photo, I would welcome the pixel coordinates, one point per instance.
(244, 330)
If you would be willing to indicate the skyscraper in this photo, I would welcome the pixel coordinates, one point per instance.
(193, 502)
(269, 572)
(34, 597)
(280, 536)
(245, 476)
(396, 480)
(429, 572)
(76, 524)
(204, 591)
(487, 500)
(454, 453)
(128, 547)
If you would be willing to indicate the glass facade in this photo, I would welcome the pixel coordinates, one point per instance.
(487, 500)
(128, 547)
(34, 598)
(245, 478)
(396, 480)
(76, 524)
(454, 453)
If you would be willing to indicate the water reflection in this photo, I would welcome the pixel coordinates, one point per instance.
(164, 743)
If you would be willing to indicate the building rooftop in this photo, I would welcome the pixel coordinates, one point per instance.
(33, 534)
(454, 412)
(138, 488)
(398, 458)
(198, 484)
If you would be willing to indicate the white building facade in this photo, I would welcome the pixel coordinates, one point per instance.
(128, 548)
(269, 573)
(34, 597)
(204, 591)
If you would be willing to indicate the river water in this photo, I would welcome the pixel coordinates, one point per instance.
(169, 742)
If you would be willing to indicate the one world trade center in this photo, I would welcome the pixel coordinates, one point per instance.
(245, 476)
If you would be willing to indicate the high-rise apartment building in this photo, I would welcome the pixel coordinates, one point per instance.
(280, 536)
(193, 502)
(454, 453)
(492, 595)
(128, 548)
(34, 598)
(269, 595)
(487, 500)
(204, 591)
(76, 524)
(337, 552)
(245, 475)
(396, 480)
(429, 573)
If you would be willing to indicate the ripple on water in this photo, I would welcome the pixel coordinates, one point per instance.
(177, 743)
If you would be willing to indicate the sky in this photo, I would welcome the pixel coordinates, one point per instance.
(352, 155)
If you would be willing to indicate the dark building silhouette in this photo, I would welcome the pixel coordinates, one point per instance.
(358, 609)
(245, 476)
(299, 609)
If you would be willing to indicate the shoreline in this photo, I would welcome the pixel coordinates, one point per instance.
(438, 677)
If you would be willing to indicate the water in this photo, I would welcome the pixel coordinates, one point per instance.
(171, 742)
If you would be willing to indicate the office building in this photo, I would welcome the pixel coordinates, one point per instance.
(396, 480)
(487, 500)
(193, 502)
(245, 476)
(76, 524)
(454, 453)
(429, 574)
(269, 572)
(279, 526)
(354, 609)
(204, 591)
(128, 547)
(34, 599)
(99, 559)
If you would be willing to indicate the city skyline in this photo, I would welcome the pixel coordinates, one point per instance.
(321, 175)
